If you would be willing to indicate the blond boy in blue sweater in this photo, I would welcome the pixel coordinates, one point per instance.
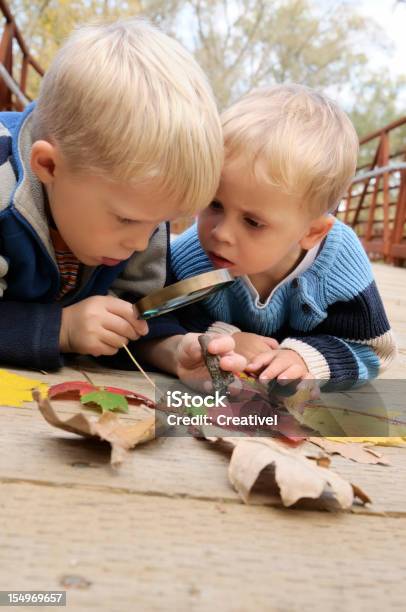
(305, 304)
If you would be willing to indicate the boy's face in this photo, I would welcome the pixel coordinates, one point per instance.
(105, 223)
(253, 227)
(100, 221)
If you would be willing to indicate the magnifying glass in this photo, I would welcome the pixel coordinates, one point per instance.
(182, 293)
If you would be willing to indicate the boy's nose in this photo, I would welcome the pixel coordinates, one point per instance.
(222, 232)
(139, 240)
(136, 244)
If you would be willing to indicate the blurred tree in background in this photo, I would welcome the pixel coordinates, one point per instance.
(241, 44)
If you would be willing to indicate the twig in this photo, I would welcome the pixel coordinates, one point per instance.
(89, 380)
(133, 359)
(219, 377)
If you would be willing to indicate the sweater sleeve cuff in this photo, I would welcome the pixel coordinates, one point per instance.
(316, 363)
(225, 329)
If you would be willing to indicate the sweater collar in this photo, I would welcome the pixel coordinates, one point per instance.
(28, 197)
(302, 266)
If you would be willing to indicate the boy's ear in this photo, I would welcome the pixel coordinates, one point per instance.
(318, 229)
(43, 160)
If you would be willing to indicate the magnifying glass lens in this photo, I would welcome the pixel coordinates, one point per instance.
(183, 293)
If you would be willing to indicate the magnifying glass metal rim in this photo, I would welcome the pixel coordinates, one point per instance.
(205, 281)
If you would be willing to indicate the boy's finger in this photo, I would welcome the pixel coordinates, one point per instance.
(221, 344)
(103, 349)
(309, 376)
(121, 326)
(273, 370)
(141, 327)
(207, 386)
(271, 342)
(261, 360)
(125, 310)
(122, 308)
(194, 354)
(190, 348)
(233, 363)
(293, 372)
(113, 339)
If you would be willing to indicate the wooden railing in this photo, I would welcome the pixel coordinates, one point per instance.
(375, 205)
(13, 94)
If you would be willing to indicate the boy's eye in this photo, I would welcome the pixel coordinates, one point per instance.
(253, 223)
(215, 205)
(125, 221)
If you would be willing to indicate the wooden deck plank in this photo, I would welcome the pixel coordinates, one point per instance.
(169, 466)
(391, 282)
(143, 553)
(167, 531)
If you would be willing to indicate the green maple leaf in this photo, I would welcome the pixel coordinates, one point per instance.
(196, 411)
(108, 402)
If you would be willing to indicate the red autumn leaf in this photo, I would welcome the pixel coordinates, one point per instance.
(70, 390)
(75, 389)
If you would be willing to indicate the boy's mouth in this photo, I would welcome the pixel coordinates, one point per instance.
(218, 261)
(107, 261)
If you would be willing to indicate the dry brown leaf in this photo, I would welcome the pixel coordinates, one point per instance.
(361, 495)
(296, 476)
(124, 437)
(352, 450)
(108, 427)
(321, 460)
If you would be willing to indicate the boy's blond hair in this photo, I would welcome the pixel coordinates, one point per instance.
(126, 102)
(304, 142)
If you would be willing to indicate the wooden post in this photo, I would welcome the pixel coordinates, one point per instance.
(6, 49)
(372, 207)
(397, 247)
(364, 191)
(386, 220)
(23, 78)
(348, 201)
(12, 92)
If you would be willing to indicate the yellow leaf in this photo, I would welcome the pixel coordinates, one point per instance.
(16, 389)
(391, 441)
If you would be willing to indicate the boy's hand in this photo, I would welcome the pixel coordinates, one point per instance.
(251, 345)
(283, 364)
(99, 325)
(190, 367)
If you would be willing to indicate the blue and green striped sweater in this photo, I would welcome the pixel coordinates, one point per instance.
(331, 314)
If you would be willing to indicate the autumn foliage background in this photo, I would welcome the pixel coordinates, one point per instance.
(329, 44)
